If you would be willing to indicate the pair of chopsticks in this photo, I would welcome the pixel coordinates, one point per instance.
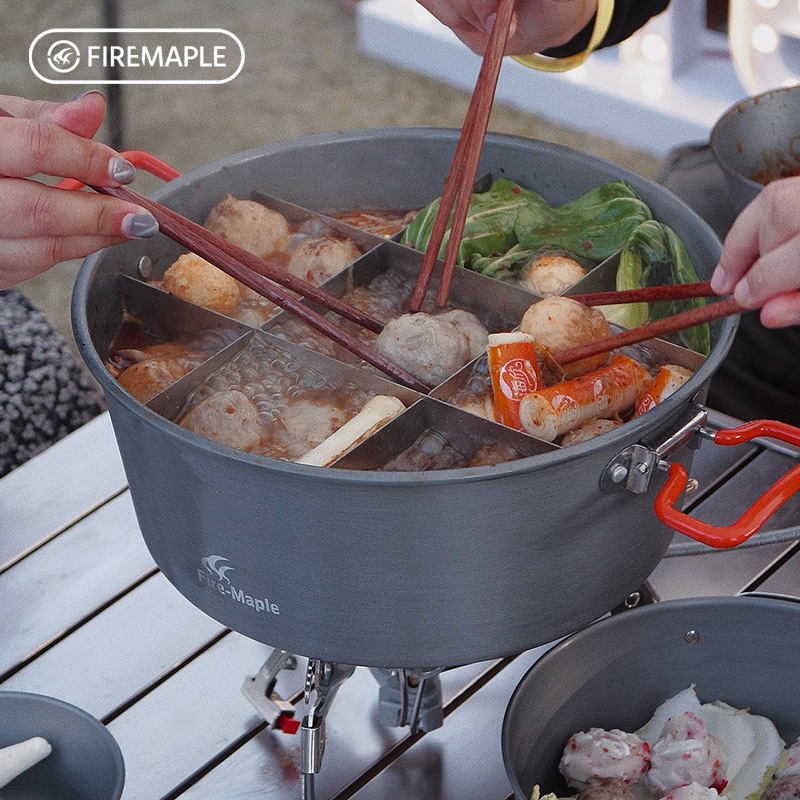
(267, 279)
(651, 330)
(464, 169)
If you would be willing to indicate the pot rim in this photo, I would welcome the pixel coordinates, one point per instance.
(717, 131)
(615, 439)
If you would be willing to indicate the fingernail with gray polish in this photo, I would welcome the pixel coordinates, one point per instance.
(83, 94)
(139, 226)
(121, 170)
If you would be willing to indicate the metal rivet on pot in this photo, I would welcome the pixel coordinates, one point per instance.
(633, 599)
(619, 473)
(145, 266)
(642, 468)
(692, 636)
(413, 681)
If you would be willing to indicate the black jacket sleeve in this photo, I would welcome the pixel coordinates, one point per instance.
(629, 16)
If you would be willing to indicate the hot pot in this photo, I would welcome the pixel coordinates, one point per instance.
(391, 569)
(613, 674)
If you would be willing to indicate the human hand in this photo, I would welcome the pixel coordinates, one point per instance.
(535, 26)
(41, 225)
(760, 261)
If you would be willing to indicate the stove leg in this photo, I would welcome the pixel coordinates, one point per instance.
(324, 678)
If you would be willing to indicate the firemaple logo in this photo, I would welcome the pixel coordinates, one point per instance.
(136, 55)
(213, 576)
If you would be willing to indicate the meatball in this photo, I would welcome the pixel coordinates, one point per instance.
(471, 327)
(684, 753)
(429, 347)
(787, 787)
(250, 225)
(227, 417)
(549, 275)
(196, 280)
(559, 323)
(316, 260)
(305, 423)
(601, 754)
(607, 789)
(145, 379)
(594, 427)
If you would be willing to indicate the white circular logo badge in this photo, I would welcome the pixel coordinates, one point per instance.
(63, 56)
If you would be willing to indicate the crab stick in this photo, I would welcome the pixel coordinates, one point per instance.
(551, 412)
(17, 758)
(376, 413)
(670, 377)
(514, 370)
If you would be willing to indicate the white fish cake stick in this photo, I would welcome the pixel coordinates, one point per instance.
(17, 758)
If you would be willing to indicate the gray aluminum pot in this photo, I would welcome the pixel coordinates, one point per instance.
(613, 674)
(757, 141)
(388, 569)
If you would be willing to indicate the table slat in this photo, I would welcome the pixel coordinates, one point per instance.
(118, 652)
(50, 491)
(70, 577)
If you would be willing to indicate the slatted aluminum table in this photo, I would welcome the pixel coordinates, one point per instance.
(87, 617)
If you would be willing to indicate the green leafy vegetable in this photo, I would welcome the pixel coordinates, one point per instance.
(654, 255)
(489, 229)
(595, 225)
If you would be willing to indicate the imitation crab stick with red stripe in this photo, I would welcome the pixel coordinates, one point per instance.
(551, 412)
(514, 370)
(670, 378)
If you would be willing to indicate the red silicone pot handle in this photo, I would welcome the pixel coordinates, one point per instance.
(140, 159)
(755, 516)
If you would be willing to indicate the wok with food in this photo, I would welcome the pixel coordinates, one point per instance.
(374, 563)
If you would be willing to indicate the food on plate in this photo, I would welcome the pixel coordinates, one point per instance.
(786, 787)
(669, 379)
(250, 225)
(376, 413)
(697, 751)
(589, 430)
(559, 323)
(597, 753)
(320, 258)
(550, 412)
(431, 347)
(17, 758)
(514, 371)
(551, 274)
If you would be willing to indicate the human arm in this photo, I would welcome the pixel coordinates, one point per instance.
(760, 262)
(41, 225)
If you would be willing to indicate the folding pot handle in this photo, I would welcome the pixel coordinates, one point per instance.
(140, 159)
(755, 516)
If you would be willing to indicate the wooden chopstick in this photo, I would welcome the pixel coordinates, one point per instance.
(231, 259)
(234, 261)
(464, 168)
(652, 330)
(647, 294)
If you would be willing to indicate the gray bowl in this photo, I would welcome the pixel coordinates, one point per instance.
(757, 141)
(86, 762)
(614, 674)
